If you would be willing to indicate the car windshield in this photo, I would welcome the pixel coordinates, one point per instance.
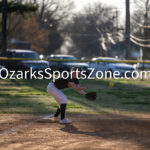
(109, 59)
(113, 60)
(24, 55)
(66, 58)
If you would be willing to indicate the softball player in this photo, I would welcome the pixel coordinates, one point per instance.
(54, 89)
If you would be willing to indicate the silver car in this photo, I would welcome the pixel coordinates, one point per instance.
(111, 66)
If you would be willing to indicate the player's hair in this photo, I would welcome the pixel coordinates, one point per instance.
(76, 68)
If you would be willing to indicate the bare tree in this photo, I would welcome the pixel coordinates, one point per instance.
(53, 15)
(30, 30)
(140, 26)
(94, 30)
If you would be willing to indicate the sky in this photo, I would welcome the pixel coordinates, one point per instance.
(118, 3)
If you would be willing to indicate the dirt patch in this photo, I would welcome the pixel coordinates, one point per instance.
(102, 132)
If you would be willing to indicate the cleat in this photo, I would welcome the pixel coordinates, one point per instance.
(49, 116)
(64, 121)
(52, 118)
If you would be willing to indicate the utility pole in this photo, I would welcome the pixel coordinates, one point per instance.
(127, 29)
(145, 49)
(4, 27)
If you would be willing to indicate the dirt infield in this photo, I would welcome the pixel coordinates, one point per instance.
(89, 132)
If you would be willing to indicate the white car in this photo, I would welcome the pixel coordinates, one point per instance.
(142, 66)
(110, 66)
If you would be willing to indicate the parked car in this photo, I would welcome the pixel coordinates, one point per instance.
(110, 66)
(142, 66)
(68, 61)
(24, 65)
(3, 71)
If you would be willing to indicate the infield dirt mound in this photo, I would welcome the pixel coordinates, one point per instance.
(89, 132)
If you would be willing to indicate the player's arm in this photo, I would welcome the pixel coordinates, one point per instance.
(77, 88)
(82, 92)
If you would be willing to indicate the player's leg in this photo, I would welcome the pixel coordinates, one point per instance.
(51, 89)
(61, 98)
(57, 112)
(63, 119)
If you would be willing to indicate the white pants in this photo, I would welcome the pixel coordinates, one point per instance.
(59, 96)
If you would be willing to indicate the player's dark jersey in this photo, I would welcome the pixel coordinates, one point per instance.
(63, 83)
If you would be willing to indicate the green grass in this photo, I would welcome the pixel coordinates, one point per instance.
(137, 102)
(30, 96)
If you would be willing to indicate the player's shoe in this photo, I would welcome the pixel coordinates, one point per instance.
(64, 121)
(52, 117)
(49, 116)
